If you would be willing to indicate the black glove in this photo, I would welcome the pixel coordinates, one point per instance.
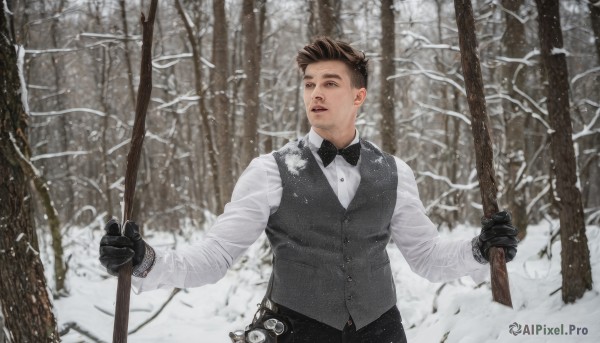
(116, 249)
(498, 231)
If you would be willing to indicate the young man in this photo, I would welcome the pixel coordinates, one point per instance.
(330, 203)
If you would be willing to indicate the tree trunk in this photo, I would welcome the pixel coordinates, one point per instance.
(221, 103)
(251, 82)
(575, 255)
(388, 49)
(329, 18)
(324, 19)
(480, 126)
(515, 46)
(130, 85)
(60, 269)
(23, 297)
(594, 6)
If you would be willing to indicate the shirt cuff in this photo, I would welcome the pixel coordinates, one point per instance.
(142, 269)
(477, 252)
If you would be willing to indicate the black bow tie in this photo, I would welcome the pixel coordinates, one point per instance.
(328, 151)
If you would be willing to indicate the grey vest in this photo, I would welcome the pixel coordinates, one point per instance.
(330, 263)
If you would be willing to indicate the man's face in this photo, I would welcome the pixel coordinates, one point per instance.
(330, 100)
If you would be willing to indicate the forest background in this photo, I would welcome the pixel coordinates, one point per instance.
(226, 89)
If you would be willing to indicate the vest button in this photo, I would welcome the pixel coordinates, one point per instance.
(349, 298)
(346, 241)
(348, 259)
(349, 278)
(346, 220)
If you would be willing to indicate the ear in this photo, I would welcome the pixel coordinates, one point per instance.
(360, 96)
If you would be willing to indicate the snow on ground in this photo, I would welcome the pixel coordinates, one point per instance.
(464, 310)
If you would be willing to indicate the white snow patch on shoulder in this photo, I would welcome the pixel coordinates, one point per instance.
(294, 163)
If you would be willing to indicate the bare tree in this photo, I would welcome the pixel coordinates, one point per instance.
(220, 108)
(575, 255)
(252, 54)
(325, 18)
(515, 46)
(208, 138)
(127, 53)
(594, 6)
(388, 50)
(23, 297)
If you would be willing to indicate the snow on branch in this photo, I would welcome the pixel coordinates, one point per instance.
(6, 10)
(58, 154)
(281, 134)
(515, 60)
(177, 57)
(523, 21)
(50, 51)
(461, 187)
(541, 120)
(109, 36)
(522, 106)
(185, 97)
(447, 112)
(24, 161)
(69, 110)
(105, 38)
(584, 74)
(426, 138)
(425, 43)
(531, 101)
(416, 36)
(435, 202)
(24, 97)
(537, 198)
(526, 60)
(440, 46)
(559, 51)
(432, 74)
(118, 185)
(153, 136)
(587, 129)
(117, 147)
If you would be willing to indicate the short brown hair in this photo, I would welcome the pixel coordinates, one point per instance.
(327, 49)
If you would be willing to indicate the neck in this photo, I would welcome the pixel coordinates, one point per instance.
(340, 139)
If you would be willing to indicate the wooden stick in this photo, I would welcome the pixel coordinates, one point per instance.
(483, 143)
(133, 160)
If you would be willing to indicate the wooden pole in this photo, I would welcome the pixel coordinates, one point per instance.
(133, 159)
(483, 143)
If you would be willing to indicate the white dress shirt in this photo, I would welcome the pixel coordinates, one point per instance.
(257, 195)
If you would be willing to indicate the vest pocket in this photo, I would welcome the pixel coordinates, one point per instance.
(293, 284)
(284, 261)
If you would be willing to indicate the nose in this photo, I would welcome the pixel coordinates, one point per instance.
(317, 94)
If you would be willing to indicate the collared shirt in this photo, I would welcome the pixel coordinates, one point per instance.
(257, 195)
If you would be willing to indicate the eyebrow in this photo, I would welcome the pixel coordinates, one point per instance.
(325, 76)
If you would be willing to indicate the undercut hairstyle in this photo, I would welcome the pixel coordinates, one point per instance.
(327, 49)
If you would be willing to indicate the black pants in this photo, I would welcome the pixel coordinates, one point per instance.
(385, 329)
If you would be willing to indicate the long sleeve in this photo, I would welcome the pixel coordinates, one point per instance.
(417, 238)
(256, 195)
